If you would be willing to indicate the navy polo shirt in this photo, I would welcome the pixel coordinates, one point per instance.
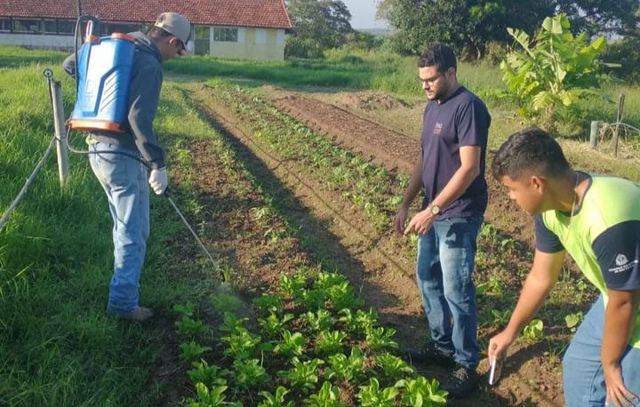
(461, 120)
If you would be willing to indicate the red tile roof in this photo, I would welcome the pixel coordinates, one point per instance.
(241, 13)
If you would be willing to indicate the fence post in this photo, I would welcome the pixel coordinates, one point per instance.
(616, 136)
(62, 147)
(593, 135)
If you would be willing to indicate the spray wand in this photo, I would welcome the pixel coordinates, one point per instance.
(216, 265)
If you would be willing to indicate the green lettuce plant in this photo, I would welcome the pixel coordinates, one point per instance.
(420, 392)
(327, 396)
(372, 395)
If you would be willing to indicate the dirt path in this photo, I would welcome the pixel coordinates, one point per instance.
(334, 233)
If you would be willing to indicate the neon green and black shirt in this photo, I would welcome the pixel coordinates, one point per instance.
(602, 236)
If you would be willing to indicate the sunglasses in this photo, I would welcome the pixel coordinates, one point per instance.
(180, 45)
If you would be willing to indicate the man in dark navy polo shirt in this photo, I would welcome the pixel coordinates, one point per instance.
(450, 170)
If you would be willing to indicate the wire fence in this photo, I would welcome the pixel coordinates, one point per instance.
(27, 184)
(627, 143)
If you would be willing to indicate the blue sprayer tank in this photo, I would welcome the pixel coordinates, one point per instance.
(104, 75)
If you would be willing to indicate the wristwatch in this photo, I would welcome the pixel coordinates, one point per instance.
(434, 209)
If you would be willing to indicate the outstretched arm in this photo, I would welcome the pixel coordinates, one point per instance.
(541, 279)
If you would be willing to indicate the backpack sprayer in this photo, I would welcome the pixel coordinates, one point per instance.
(103, 75)
(103, 69)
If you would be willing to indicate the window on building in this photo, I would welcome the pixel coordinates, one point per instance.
(27, 26)
(66, 27)
(5, 24)
(201, 32)
(50, 26)
(225, 34)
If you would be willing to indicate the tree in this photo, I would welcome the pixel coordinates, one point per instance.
(465, 25)
(318, 25)
(469, 25)
(601, 16)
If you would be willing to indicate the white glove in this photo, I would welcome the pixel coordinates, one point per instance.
(158, 180)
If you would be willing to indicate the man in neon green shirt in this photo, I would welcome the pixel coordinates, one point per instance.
(596, 219)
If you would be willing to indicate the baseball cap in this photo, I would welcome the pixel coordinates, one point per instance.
(175, 24)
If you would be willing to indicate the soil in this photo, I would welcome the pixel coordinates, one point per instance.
(373, 101)
(324, 220)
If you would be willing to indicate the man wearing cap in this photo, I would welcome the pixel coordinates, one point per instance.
(123, 178)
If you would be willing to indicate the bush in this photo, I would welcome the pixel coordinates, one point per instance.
(363, 41)
(302, 48)
(495, 52)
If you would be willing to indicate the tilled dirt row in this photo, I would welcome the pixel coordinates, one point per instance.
(384, 146)
(367, 259)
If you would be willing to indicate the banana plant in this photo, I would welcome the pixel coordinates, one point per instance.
(553, 71)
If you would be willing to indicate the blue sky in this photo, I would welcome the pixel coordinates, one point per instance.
(363, 14)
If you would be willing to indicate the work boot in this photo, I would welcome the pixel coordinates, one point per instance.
(461, 382)
(431, 355)
(137, 314)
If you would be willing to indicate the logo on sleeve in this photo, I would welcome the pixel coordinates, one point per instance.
(621, 260)
(622, 264)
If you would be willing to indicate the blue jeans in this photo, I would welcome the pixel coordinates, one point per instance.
(446, 259)
(581, 367)
(124, 180)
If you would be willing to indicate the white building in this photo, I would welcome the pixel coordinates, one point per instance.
(249, 29)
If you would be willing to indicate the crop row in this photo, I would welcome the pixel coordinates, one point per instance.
(309, 342)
